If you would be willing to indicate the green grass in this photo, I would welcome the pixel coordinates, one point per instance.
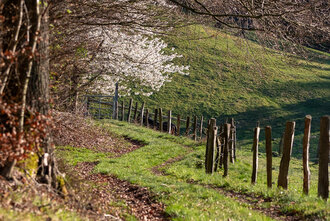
(231, 77)
(194, 201)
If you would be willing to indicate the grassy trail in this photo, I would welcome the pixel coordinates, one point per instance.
(172, 168)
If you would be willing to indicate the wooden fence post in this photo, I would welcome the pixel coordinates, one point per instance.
(201, 128)
(169, 122)
(217, 156)
(306, 139)
(147, 118)
(222, 144)
(268, 136)
(226, 149)
(285, 160)
(129, 110)
(99, 113)
(178, 125)
(135, 112)
(160, 120)
(233, 129)
(155, 119)
(187, 126)
(117, 110)
(115, 103)
(255, 155)
(142, 112)
(210, 147)
(195, 128)
(323, 184)
(231, 141)
(122, 111)
(87, 106)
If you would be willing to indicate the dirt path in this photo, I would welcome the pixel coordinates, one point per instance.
(272, 211)
(138, 200)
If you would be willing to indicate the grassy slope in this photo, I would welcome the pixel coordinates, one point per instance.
(231, 77)
(188, 201)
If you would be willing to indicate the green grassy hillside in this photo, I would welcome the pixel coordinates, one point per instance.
(232, 77)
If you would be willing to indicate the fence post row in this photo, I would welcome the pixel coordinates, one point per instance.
(306, 140)
(255, 155)
(268, 137)
(287, 149)
(323, 182)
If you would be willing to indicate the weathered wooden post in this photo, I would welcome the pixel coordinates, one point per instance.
(222, 144)
(268, 136)
(231, 141)
(129, 110)
(122, 111)
(169, 121)
(147, 118)
(255, 155)
(142, 112)
(285, 160)
(155, 119)
(217, 156)
(306, 139)
(195, 128)
(135, 112)
(233, 137)
(187, 126)
(117, 111)
(201, 128)
(226, 149)
(178, 125)
(323, 184)
(160, 120)
(211, 145)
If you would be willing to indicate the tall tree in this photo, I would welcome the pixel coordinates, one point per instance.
(25, 85)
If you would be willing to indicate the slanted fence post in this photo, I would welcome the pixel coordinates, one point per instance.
(129, 110)
(187, 126)
(285, 160)
(323, 182)
(122, 111)
(135, 112)
(210, 146)
(201, 128)
(306, 140)
(268, 136)
(226, 149)
(160, 120)
(155, 119)
(178, 125)
(169, 122)
(255, 155)
(142, 112)
(147, 118)
(195, 128)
